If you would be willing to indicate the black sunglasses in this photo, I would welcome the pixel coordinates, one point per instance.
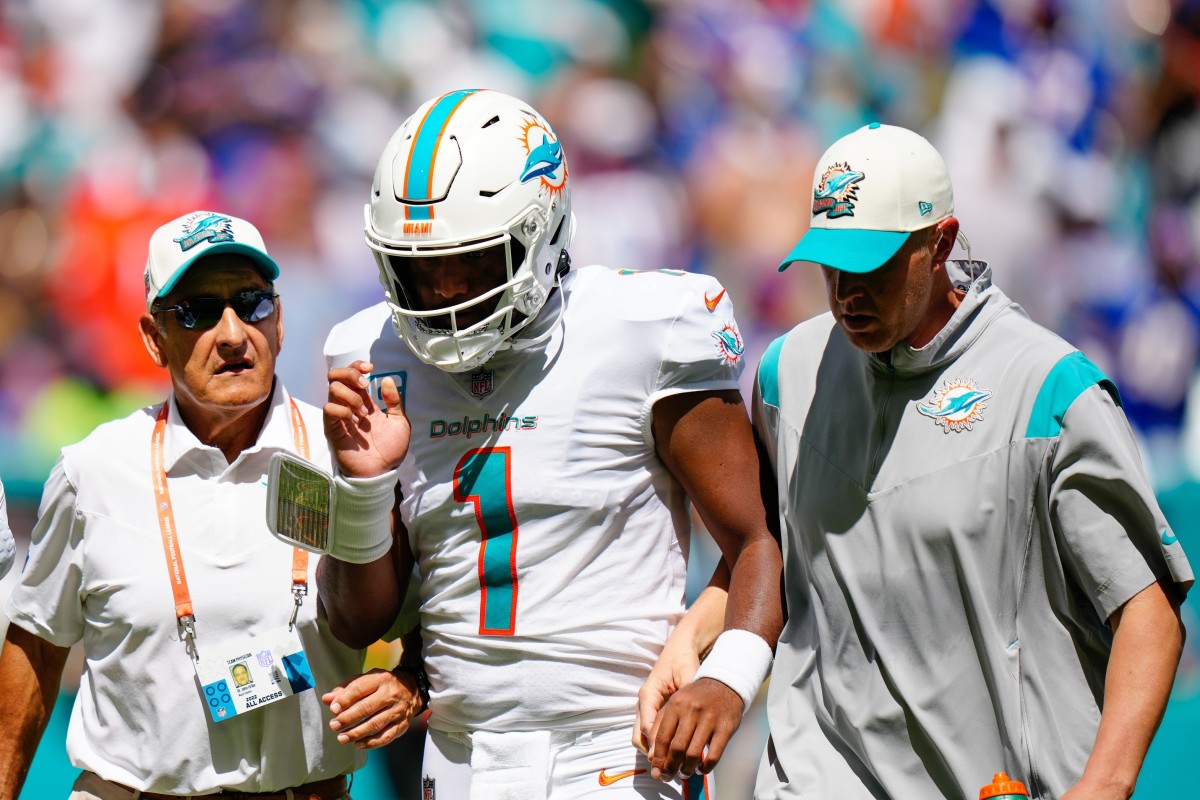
(202, 313)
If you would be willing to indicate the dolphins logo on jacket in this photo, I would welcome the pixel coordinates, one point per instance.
(957, 406)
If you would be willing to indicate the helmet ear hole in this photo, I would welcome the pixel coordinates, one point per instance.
(557, 231)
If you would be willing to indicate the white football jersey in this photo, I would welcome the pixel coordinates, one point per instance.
(551, 540)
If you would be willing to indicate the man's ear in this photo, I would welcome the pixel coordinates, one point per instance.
(944, 237)
(152, 338)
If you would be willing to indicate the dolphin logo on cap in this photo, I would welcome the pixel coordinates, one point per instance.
(837, 190)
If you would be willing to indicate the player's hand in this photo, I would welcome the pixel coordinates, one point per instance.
(366, 440)
(674, 669)
(694, 727)
(373, 709)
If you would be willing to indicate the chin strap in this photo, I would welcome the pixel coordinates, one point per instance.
(564, 266)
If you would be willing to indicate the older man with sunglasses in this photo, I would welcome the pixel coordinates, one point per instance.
(204, 660)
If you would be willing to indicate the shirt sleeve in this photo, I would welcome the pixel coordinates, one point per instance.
(8, 546)
(47, 601)
(1111, 533)
(703, 349)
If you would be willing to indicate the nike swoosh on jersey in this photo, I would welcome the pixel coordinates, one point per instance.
(1168, 538)
(711, 304)
(608, 780)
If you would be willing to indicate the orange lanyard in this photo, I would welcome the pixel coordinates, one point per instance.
(166, 523)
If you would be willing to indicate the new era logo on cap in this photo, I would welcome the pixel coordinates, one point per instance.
(183, 241)
(871, 189)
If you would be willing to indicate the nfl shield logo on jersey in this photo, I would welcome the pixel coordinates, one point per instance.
(427, 792)
(482, 383)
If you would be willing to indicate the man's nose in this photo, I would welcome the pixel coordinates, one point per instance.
(450, 283)
(230, 330)
(845, 284)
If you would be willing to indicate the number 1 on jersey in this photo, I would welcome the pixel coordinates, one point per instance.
(483, 478)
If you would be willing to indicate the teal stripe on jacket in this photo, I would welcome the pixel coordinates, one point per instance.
(1065, 382)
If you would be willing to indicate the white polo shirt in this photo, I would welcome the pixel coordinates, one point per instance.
(8, 547)
(97, 574)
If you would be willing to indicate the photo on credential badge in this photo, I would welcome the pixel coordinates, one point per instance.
(241, 674)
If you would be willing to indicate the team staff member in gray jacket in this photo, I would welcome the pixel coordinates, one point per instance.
(204, 662)
(977, 572)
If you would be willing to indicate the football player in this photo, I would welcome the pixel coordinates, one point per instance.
(547, 425)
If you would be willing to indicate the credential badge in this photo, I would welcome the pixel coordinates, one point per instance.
(957, 406)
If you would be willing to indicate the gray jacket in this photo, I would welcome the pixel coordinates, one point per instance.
(959, 522)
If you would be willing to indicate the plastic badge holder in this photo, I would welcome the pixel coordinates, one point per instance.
(300, 502)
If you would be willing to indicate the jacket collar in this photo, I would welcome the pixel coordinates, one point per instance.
(980, 305)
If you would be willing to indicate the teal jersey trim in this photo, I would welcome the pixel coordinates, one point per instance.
(420, 159)
(768, 373)
(695, 787)
(1067, 380)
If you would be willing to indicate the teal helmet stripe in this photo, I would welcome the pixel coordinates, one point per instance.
(418, 174)
(1068, 379)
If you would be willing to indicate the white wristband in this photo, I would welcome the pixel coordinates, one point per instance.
(741, 660)
(362, 517)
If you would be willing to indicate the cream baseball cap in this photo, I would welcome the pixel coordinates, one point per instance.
(871, 189)
(181, 242)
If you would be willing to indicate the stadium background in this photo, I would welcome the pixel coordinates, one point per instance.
(1071, 129)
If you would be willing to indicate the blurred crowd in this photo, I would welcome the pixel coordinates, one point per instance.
(1071, 129)
(692, 127)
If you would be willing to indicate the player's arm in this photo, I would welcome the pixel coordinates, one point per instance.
(368, 442)
(30, 671)
(692, 638)
(1147, 644)
(1111, 533)
(706, 441)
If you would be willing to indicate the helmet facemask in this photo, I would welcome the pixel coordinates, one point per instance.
(460, 334)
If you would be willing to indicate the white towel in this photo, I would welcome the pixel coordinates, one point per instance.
(510, 766)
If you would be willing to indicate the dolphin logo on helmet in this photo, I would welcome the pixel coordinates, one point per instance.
(545, 159)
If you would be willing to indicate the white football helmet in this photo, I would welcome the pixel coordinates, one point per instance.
(471, 170)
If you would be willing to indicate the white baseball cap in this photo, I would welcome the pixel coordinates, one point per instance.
(871, 189)
(182, 242)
